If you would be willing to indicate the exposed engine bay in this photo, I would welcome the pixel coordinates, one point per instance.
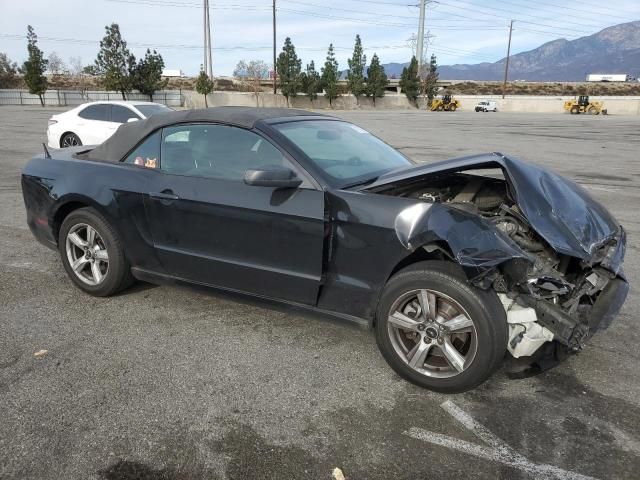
(548, 296)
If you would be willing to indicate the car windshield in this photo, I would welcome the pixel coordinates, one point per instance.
(148, 110)
(346, 154)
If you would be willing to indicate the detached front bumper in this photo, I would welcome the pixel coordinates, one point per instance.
(574, 332)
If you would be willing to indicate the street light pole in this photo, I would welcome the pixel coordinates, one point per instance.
(506, 65)
(275, 72)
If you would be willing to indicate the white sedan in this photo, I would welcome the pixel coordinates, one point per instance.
(92, 123)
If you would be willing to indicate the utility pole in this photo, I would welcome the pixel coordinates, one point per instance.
(208, 63)
(506, 65)
(275, 70)
(420, 44)
(205, 63)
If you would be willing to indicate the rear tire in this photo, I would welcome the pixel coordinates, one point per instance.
(452, 108)
(92, 254)
(70, 140)
(575, 110)
(479, 337)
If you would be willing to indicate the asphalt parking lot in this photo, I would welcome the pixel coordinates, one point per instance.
(169, 383)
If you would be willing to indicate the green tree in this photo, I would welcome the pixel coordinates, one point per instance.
(90, 70)
(35, 66)
(204, 85)
(329, 79)
(8, 70)
(409, 81)
(311, 82)
(289, 67)
(377, 80)
(430, 83)
(115, 63)
(355, 74)
(147, 74)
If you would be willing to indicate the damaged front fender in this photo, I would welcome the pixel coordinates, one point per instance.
(472, 240)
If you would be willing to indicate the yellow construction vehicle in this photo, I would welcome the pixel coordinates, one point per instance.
(447, 103)
(583, 105)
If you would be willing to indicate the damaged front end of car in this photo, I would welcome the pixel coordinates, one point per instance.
(551, 252)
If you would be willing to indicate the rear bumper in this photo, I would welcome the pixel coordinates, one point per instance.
(37, 202)
(53, 137)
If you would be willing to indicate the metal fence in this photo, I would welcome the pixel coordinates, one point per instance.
(62, 98)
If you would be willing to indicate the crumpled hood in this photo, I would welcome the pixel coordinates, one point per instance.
(559, 210)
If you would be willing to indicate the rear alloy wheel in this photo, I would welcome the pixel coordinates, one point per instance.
(70, 140)
(87, 254)
(92, 254)
(439, 332)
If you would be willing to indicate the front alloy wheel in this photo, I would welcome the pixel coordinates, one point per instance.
(432, 333)
(437, 330)
(87, 254)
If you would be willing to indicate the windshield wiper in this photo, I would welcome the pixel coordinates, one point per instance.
(360, 183)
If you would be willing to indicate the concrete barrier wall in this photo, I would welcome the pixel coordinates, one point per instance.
(343, 102)
(533, 104)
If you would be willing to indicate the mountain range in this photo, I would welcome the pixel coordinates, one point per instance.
(614, 49)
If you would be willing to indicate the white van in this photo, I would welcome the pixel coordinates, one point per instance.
(486, 106)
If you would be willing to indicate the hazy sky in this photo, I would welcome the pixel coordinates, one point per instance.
(468, 31)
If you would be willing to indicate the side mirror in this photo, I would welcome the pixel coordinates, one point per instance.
(129, 120)
(272, 176)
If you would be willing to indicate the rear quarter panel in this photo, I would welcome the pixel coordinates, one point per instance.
(51, 186)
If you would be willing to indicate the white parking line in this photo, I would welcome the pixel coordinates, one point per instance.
(27, 266)
(3, 225)
(498, 451)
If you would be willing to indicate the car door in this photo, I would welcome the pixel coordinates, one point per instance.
(208, 226)
(93, 124)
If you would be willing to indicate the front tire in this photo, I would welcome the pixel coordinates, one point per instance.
(439, 332)
(92, 254)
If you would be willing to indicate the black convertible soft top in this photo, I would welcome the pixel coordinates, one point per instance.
(129, 134)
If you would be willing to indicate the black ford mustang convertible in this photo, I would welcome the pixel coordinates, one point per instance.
(456, 265)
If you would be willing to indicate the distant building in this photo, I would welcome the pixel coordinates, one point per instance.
(172, 73)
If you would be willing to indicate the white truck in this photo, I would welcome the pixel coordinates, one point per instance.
(486, 106)
(608, 77)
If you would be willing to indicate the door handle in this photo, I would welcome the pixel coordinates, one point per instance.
(164, 195)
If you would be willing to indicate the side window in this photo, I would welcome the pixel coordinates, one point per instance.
(147, 154)
(216, 151)
(96, 112)
(120, 114)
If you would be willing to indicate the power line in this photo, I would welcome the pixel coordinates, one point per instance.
(564, 7)
(77, 41)
(159, 3)
(519, 18)
(348, 9)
